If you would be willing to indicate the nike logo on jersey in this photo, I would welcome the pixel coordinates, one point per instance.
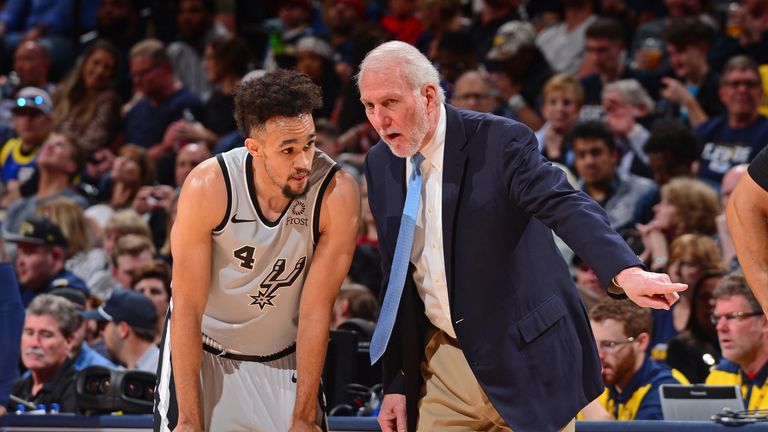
(293, 378)
(236, 220)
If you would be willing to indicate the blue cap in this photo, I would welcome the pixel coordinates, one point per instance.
(132, 307)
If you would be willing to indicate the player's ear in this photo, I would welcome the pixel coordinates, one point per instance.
(255, 146)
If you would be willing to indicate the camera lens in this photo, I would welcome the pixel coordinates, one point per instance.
(92, 385)
(149, 393)
(134, 389)
(105, 385)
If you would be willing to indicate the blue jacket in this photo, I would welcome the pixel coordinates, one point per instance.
(515, 309)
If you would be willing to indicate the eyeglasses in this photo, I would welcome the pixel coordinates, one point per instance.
(27, 102)
(613, 345)
(738, 316)
(749, 84)
(138, 74)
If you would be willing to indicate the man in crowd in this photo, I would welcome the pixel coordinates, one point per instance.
(596, 159)
(132, 251)
(40, 258)
(474, 91)
(742, 330)
(129, 329)
(49, 328)
(604, 45)
(32, 121)
(622, 332)
(59, 161)
(693, 87)
(738, 135)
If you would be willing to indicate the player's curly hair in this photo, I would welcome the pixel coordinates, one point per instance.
(283, 93)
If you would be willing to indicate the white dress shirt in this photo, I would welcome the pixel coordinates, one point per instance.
(427, 251)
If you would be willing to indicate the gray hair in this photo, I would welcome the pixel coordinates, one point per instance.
(59, 308)
(417, 70)
(734, 284)
(633, 93)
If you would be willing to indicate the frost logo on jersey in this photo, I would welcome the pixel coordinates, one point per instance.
(274, 281)
(297, 214)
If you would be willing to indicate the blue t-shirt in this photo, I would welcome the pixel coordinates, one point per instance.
(145, 124)
(723, 147)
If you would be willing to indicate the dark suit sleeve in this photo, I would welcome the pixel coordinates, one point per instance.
(11, 323)
(542, 190)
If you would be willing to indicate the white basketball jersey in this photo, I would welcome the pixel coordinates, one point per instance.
(259, 267)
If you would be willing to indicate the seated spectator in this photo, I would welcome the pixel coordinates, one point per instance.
(672, 151)
(562, 98)
(695, 349)
(563, 43)
(604, 45)
(163, 100)
(196, 27)
(690, 257)
(40, 258)
(129, 332)
(742, 330)
(49, 328)
(356, 302)
(11, 323)
(438, 17)
(122, 223)
(693, 87)
(625, 102)
(520, 71)
(596, 161)
(84, 261)
(735, 137)
(83, 354)
(226, 61)
(455, 54)
(86, 103)
(32, 123)
(622, 332)
(473, 91)
(59, 162)
(295, 19)
(31, 64)
(132, 170)
(131, 252)
(314, 57)
(154, 281)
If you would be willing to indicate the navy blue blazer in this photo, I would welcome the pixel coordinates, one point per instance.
(514, 307)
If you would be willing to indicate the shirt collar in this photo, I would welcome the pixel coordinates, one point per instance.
(433, 151)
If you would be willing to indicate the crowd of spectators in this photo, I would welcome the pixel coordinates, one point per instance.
(652, 108)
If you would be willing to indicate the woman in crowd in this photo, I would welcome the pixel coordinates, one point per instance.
(85, 103)
(696, 349)
(562, 97)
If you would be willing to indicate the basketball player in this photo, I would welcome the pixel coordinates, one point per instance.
(263, 239)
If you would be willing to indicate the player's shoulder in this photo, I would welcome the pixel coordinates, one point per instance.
(206, 175)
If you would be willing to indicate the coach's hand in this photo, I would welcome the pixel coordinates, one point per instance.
(392, 416)
(304, 426)
(648, 289)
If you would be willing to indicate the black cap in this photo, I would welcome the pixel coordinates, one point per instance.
(38, 230)
(134, 308)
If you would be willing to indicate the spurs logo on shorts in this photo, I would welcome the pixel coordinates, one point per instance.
(274, 281)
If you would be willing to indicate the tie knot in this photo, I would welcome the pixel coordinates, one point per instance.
(417, 159)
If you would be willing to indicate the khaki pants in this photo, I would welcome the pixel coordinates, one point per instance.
(451, 398)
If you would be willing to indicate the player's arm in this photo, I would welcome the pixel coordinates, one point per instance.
(746, 216)
(339, 219)
(202, 205)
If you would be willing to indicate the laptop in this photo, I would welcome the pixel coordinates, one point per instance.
(698, 402)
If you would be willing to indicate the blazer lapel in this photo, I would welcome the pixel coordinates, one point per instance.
(454, 162)
(396, 189)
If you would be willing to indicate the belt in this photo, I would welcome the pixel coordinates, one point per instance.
(252, 358)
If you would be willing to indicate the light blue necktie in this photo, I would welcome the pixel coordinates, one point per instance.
(399, 263)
